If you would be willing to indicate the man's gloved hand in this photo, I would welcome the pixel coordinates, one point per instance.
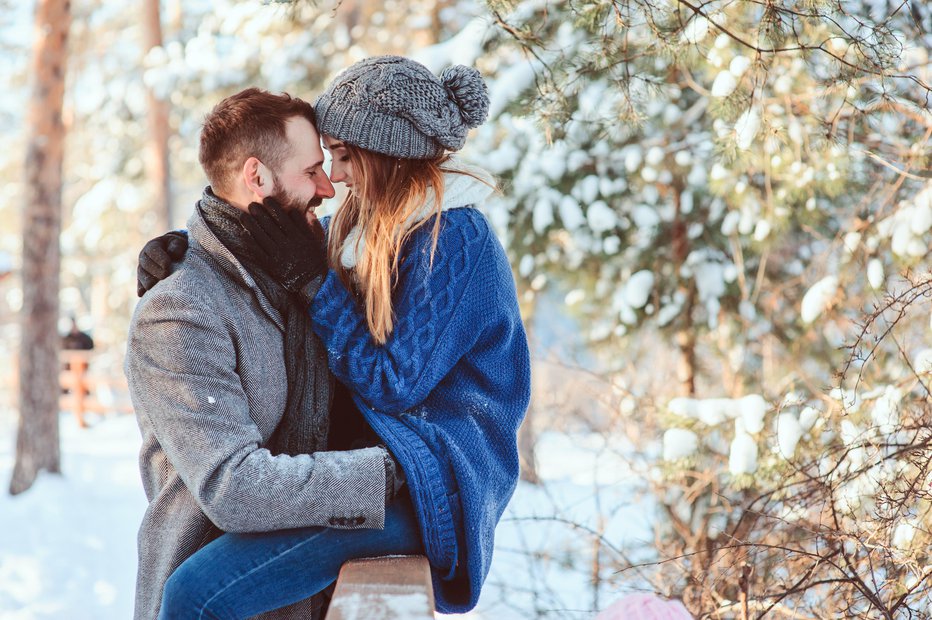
(288, 247)
(158, 257)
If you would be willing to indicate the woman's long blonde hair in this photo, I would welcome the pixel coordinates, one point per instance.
(386, 196)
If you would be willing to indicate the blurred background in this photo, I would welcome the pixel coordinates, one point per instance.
(719, 216)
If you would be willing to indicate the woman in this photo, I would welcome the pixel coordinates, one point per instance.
(420, 319)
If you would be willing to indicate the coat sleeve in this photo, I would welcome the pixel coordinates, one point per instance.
(181, 365)
(437, 319)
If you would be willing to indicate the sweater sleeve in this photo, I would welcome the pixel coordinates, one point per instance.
(181, 364)
(437, 319)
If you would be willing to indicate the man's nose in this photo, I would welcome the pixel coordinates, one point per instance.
(325, 188)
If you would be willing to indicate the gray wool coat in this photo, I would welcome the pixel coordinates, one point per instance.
(206, 368)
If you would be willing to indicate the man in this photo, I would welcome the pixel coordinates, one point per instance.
(230, 384)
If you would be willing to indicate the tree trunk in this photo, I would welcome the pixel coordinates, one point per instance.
(159, 131)
(37, 444)
(527, 437)
(175, 19)
(686, 343)
(685, 337)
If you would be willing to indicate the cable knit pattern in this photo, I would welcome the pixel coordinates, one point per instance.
(396, 106)
(446, 392)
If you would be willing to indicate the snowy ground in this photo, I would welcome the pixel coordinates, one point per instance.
(67, 546)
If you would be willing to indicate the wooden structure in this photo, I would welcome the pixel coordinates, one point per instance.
(84, 391)
(386, 588)
(74, 383)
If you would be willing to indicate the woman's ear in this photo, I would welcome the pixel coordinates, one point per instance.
(258, 179)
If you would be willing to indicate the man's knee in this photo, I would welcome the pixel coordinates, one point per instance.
(183, 598)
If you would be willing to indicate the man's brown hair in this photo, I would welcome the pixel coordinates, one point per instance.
(251, 123)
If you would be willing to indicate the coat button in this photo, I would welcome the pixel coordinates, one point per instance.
(360, 520)
(333, 521)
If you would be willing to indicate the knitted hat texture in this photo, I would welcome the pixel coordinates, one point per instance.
(397, 107)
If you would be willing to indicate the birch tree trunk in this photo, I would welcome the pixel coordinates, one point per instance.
(37, 443)
(159, 131)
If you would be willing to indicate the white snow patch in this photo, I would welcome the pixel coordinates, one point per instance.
(509, 85)
(923, 362)
(724, 84)
(654, 156)
(601, 217)
(696, 30)
(789, 432)
(742, 457)
(739, 65)
(571, 213)
(818, 298)
(679, 443)
(903, 534)
(542, 215)
(750, 410)
(886, 411)
(875, 274)
(638, 288)
(808, 417)
(746, 128)
(68, 544)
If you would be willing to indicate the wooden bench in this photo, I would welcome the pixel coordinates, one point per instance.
(387, 588)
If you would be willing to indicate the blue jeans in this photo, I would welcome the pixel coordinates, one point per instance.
(241, 575)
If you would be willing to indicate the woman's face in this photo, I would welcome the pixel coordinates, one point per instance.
(341, 168)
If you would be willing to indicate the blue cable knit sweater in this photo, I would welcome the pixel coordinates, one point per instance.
(446, 392)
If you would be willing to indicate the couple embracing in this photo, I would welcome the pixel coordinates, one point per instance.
(311, 392)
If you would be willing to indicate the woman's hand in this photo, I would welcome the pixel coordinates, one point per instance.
(290, 246)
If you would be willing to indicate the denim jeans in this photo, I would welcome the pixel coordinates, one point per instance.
(241, 575)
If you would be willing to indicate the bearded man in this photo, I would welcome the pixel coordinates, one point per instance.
(229, 383)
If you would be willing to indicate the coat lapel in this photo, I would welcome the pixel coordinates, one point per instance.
(203, 239)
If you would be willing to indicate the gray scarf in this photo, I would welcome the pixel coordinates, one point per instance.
(303, 428)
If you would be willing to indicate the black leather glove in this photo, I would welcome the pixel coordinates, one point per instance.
(157, 259)
(290, 249)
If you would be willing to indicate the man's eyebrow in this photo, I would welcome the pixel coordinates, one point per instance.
(310, 168)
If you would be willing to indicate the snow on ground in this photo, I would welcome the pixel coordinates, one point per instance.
(545, 545)
(67, 546)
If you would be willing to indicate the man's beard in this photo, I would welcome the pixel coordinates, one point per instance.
(290, 202)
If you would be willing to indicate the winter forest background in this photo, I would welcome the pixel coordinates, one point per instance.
(719, 214)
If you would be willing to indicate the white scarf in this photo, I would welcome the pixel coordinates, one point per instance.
(459, 190)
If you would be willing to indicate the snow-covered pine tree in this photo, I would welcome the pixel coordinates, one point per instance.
(741, 180)
(692, 167)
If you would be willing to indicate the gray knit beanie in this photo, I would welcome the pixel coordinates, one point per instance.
(397, 107)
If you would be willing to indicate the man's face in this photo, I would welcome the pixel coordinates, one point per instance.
(300, 182)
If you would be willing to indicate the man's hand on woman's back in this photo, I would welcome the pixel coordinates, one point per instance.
(158, 257)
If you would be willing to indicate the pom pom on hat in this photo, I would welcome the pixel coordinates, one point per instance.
(468, 90)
